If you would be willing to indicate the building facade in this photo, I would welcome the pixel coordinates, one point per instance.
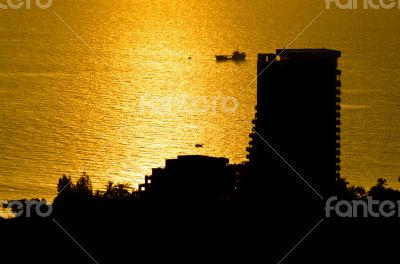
(297, 124)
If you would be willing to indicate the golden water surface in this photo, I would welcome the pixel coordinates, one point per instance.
(107, 87)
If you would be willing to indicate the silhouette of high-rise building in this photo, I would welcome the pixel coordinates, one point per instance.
(298, 118)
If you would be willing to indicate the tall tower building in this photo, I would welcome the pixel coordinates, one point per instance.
(297, 123)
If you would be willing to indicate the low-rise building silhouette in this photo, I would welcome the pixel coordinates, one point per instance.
(191, 179)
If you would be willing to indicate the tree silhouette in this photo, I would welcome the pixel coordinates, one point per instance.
(119, 191)
(65, 184)
(84, 185)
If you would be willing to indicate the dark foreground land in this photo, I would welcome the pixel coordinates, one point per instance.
(192, 238)
(122, 228)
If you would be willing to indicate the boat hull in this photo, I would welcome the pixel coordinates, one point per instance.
(222, 57)
(236, 56)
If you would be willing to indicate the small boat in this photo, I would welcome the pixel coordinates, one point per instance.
(198, 145)
(236, 56)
